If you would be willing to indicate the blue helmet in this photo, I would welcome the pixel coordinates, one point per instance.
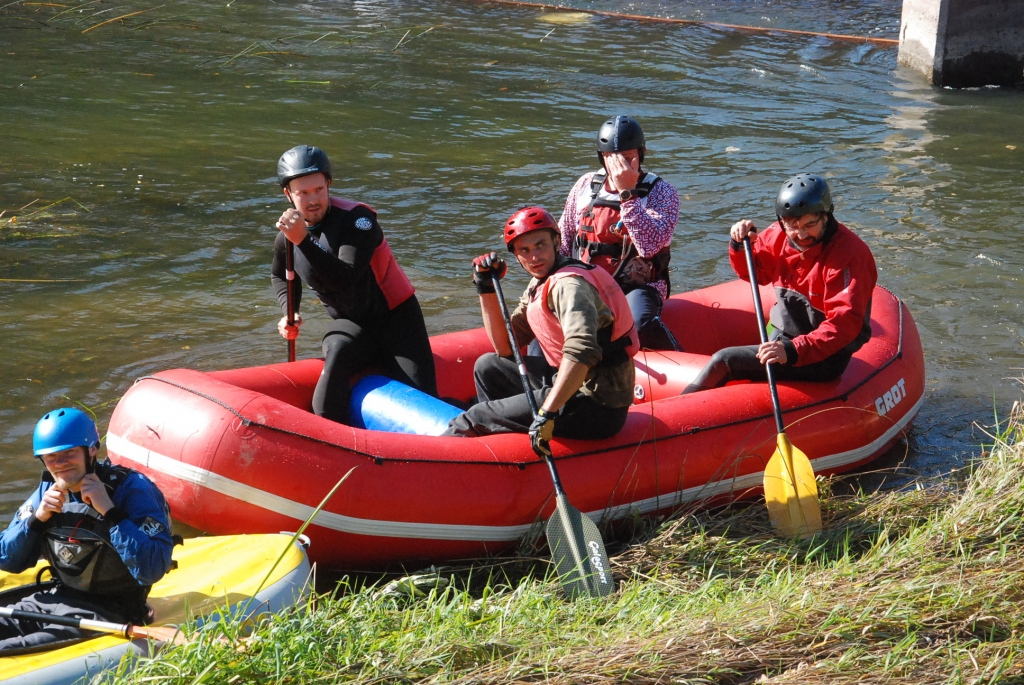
(62, 429)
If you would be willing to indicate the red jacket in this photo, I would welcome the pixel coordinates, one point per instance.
(823, 295)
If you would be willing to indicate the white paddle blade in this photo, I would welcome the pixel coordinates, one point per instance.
(578, 552)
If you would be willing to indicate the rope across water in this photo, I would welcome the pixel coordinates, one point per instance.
(693, 22)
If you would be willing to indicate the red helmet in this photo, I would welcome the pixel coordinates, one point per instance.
(528, 219)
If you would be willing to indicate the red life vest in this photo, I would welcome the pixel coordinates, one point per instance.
(389, 276)
(602, 240)
(549, 332)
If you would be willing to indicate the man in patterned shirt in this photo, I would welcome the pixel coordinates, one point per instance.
(621, 218)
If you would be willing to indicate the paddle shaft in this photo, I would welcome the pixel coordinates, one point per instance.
(81, 623)
(289, 272)
(587, 571)
(524, 377)
(126, 630)
(764, 334)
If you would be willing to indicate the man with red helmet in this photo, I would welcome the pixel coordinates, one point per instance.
(583, 383)
(341, 253)
(622, 218)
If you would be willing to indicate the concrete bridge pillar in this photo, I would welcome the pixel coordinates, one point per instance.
(964, 43)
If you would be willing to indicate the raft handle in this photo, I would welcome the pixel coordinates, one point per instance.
(303, 540)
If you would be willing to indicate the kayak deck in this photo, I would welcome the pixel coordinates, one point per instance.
(215, 577)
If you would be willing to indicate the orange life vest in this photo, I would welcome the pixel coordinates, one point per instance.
(389, 276)
(622, 338)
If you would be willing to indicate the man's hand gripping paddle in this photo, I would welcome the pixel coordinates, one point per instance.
(167, 634)
(790, 490)
(577, 548)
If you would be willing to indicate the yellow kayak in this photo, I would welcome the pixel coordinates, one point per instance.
(215, 576)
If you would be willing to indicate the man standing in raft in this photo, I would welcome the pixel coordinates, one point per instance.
(579, 316)
(824, 277)
(621, 218)
(104, 529)
(343, 256)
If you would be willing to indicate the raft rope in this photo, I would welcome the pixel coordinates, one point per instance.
(379, 460)
(694, 22)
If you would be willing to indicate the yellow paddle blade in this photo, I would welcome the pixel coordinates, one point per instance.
(791, 492)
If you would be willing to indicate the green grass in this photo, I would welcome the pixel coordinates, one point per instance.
(921, 586)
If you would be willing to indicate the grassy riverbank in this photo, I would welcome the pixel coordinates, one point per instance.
(919, 587)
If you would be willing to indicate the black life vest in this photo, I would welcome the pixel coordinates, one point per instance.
(78, 547)
(601, 238)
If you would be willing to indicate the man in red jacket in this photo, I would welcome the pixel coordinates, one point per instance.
(824, 277)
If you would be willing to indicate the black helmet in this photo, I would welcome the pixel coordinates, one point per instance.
(620, 133)
(302, 160)
(803, 194)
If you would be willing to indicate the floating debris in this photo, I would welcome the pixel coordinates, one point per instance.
(565, 17)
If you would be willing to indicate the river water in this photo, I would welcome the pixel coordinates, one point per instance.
(139, 143)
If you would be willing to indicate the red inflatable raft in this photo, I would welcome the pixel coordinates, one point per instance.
(239, 451)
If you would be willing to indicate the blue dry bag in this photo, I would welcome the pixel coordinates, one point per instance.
(382, 404)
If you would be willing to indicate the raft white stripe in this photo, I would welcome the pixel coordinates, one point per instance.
(437, 531)
(751, 480)
(265, 500)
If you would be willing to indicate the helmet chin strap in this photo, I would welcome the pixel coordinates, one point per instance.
(90, 459)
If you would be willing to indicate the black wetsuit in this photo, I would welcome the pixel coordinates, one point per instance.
(335, 261)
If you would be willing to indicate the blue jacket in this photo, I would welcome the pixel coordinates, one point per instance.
(141, 536)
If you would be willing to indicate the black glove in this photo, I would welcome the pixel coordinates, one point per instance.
(541, 430)
(484, 267)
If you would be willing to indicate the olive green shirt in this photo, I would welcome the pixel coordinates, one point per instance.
(580, 312)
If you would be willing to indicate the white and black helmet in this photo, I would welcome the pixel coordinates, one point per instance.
(620, 133)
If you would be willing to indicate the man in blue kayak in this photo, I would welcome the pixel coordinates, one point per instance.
(341, 253)
(104, 529)
(621, 218)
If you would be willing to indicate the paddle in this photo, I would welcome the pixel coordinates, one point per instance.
(160, 633)
(576, 545)
(789, 487)
(289, 272)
